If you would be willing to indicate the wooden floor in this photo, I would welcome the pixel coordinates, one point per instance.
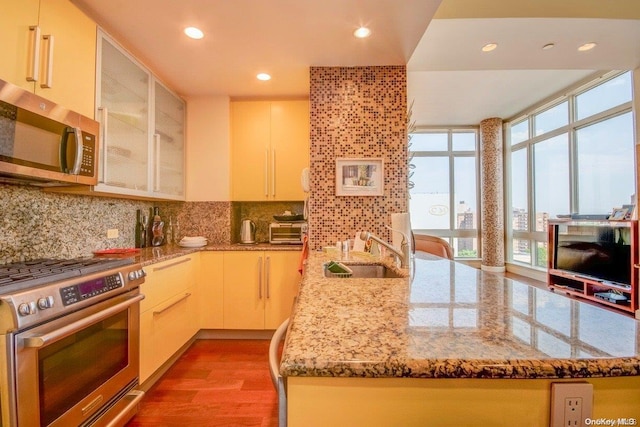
(214, 383)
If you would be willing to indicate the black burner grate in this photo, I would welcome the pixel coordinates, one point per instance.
(28, 274)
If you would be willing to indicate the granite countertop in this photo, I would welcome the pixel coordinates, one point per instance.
(449, 320)
(152, 255)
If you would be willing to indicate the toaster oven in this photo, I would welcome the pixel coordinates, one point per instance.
(287, 233)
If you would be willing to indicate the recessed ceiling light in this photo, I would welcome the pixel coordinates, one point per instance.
(548, 46)
(362, 32)
(263, 76)
(194, 33)
(587, 46)
(489, 47)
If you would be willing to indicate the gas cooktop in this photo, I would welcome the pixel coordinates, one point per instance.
(29, 274)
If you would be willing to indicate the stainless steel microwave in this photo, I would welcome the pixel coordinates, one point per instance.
(45, 144)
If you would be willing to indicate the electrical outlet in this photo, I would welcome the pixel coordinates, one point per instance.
(112, 233)
(571, 404)
(573, 411)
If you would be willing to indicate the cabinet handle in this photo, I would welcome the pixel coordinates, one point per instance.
(184, 297)
(156, 147)
(268, 276)
(33, 56)
(273, 173)
(266, 172)
(47, 79)
(173, 264)
(104, 117)
(260, 278)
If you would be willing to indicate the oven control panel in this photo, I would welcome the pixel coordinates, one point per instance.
(82, 291)
(39, 303)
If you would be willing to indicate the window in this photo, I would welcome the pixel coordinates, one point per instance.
(605, 164)
(574, 155)
(551, 179)
(553, 118)
(444, 198)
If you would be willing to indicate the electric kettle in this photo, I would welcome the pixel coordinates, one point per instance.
(247, 231)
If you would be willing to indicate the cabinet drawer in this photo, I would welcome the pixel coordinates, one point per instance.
(164, 329)
(165, 280)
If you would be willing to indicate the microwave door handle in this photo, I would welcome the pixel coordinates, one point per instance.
(64, 168)
(79, 152)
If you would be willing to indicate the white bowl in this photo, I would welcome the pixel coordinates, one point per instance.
(198, 244)
(193, 239)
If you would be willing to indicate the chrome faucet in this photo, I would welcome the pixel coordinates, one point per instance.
(402, 255)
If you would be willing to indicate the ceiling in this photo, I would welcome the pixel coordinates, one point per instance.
(450, 81)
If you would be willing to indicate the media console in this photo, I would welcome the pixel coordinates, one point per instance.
(595, 260)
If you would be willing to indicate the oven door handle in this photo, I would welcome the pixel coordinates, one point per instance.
(67, 330)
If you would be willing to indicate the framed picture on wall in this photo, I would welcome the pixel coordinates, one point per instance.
(631, 211)
(618, 214)
(359, 177)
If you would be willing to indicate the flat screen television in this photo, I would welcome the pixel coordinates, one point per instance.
(598, 252)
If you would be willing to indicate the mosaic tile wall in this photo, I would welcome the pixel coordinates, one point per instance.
(36, 224)
(356, 112)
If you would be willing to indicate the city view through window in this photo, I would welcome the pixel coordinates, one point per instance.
(444, 198)
(575, 155)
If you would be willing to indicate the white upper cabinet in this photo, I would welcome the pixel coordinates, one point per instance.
(142, 129)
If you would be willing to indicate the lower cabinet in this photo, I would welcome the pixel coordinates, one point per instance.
(259, 288)
(168, 316)
(210, 295)
(212, 290)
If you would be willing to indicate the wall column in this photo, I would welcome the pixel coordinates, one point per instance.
(491, 181)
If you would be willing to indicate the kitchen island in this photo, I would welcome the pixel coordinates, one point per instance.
(449, 345)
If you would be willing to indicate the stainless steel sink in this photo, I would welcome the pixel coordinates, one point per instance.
(365, 271)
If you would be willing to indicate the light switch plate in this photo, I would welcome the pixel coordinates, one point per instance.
(112, 233)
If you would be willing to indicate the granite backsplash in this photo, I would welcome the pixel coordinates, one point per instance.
(38, 224)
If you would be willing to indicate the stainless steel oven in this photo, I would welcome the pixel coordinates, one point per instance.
(72, 348)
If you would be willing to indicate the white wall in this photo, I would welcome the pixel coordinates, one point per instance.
(208, 149)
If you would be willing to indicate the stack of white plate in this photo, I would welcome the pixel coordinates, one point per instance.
(193, 242)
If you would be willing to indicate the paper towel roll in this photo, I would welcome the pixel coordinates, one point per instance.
(400, 222)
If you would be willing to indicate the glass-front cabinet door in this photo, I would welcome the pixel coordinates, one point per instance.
(123, 111)
(168, 143)
(142, 128)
